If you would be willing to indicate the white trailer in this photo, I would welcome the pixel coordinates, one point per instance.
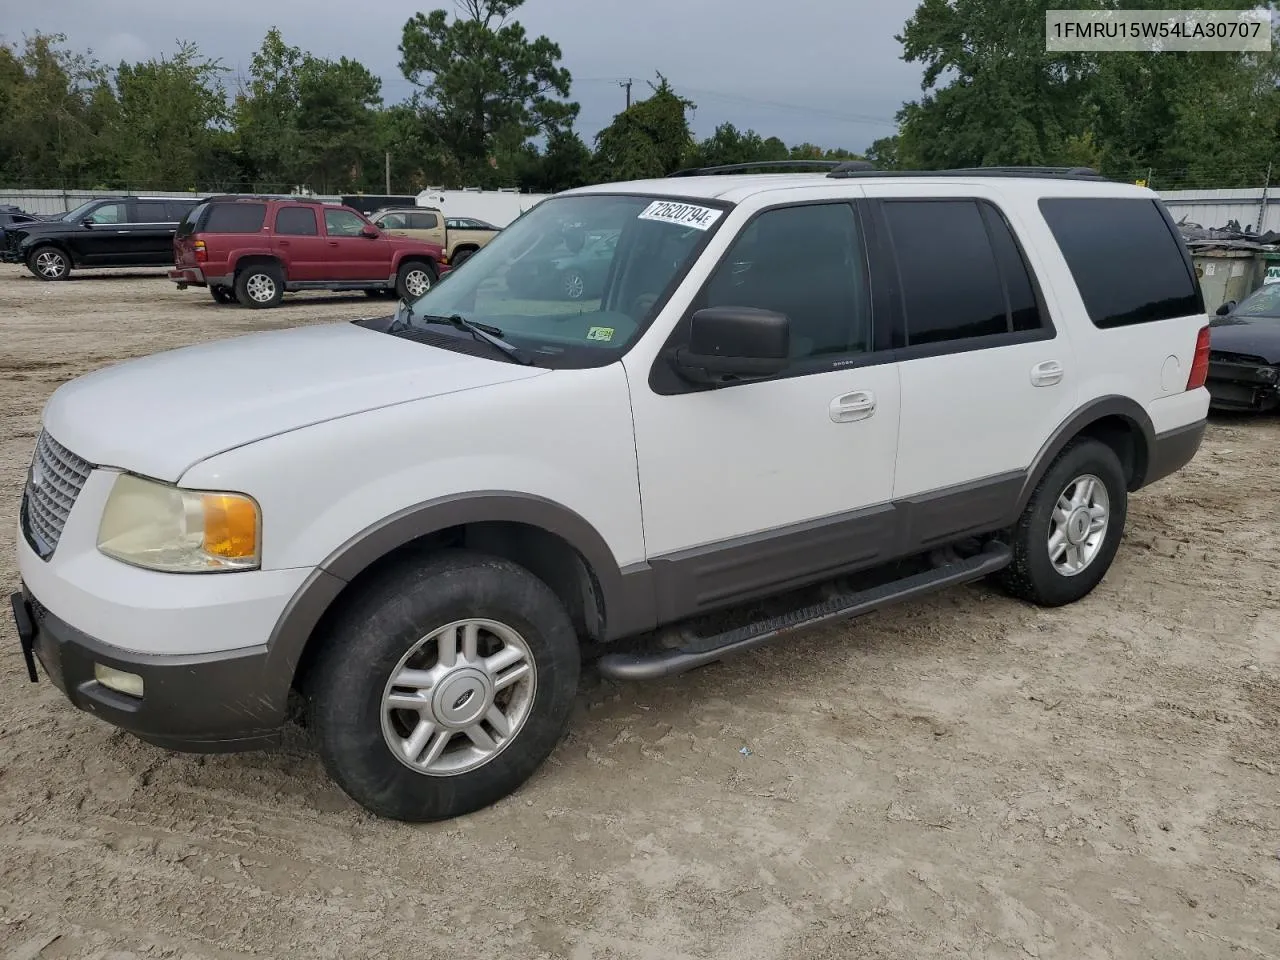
(498, 207)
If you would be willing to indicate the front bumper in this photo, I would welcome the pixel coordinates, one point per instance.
(201, 703)
(10, 256)
(1243, 386)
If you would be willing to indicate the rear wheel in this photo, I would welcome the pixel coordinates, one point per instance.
(260, 285)
(413, 279)
(1069, 532)
(574, 285)
(49, 263)
(442, 689)
(461, 257)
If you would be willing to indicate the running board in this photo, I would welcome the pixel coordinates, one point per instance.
(695, 651)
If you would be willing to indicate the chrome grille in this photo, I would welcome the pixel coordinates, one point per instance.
(55, 480)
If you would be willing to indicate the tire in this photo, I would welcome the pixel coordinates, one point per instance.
(49, 263)
(573, 284)
(362, 738)
(260, 285)
(222, 295)
(411, 274)
(376, 293)
(1035, 577)
(461, 257)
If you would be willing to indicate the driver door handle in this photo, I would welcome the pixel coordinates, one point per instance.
(853, 406)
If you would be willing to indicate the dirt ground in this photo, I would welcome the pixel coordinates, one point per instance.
(961, 777)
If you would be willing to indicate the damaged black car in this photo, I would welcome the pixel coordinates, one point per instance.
(1244, 353)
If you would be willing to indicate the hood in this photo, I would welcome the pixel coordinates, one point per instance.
(161, 414)
(1255, 336)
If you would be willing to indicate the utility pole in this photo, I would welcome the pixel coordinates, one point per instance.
(1262, 207)
(388, 173)
(626, 85)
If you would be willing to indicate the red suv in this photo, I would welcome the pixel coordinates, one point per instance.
(253, 249)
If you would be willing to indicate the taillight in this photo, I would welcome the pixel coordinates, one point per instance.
(1200, 365)
(202, 254)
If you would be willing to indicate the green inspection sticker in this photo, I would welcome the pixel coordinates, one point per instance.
(600, 333)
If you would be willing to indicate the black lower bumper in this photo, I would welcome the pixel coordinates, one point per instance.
(1173, 450)
(1243, 395)
(198, 703)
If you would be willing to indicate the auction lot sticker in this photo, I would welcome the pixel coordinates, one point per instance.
(682, 214)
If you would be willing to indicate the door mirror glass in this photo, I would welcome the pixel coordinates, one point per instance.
(1226, 308)
(734, 343)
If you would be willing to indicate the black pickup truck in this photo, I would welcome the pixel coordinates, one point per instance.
(111, 232)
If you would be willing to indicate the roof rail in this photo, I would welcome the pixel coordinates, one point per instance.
(1057, 173)
(762, 165)
(263, 196)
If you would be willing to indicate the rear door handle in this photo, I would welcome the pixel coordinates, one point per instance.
(1046, 374)
(853, 406)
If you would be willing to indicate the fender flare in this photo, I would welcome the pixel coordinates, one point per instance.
(626, 596)
(1109, 406)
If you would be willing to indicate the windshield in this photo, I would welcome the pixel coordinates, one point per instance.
(1263, 302)
(79, 212)
(575, 281)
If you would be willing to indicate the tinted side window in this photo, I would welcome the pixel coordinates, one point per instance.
(423, 221)
(1024, 308)
(150, 211)
(109, 213)
(234, 217)
(808, 263)
(177, 209)
(297, 222)
(951, 289)
(1125, 260)
(342, 223)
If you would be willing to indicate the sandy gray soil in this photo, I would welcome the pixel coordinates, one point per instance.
(962, 777)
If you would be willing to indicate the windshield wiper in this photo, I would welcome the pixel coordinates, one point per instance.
(480, 331)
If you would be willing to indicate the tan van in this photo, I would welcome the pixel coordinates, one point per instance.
(460, 236)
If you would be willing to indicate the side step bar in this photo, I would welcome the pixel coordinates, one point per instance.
(699, 651)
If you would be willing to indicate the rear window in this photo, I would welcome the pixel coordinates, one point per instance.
(1125, 259)
(233, 218)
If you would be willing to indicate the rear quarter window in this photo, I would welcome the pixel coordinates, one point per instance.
(233, 218)
(1125, 259)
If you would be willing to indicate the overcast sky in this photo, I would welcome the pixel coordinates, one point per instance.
(803, 70)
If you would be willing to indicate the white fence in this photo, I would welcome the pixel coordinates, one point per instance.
(499, 207)
(1215, 208)
(1209, 208)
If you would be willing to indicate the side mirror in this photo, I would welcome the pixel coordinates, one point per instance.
(87, 221)
(734, 343)
(1226, 308)
(369, 231)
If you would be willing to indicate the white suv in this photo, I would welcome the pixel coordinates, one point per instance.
(835, 390)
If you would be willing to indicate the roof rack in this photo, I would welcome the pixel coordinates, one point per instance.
(1056, 173)
(766, 165)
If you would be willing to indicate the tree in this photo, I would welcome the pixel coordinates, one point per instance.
(336, 120)
(266, 113)
(486, 88)
(167, 115)
(56, 106)
(651, 138)
(729, 145)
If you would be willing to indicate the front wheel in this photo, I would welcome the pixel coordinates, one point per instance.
(440, 690)
(1069, 532)
(413, 279)
(222, 295)
(49, 263)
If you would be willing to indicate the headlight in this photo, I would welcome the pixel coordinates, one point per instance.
(161, 527)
